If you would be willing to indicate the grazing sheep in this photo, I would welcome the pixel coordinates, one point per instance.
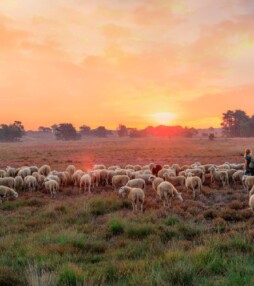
(137, 168)
(64, 178)
(129, 167)
(71, 169)
(163, 171)
(53, 178)
(10, 172)
(135, 195)
(251, 192)
(237, 177)
(223, 167)
(196, 172)
(111, 174)
(7, 181)
(248, 182)
(85, 183)
(18, 183)
(155, 182)
(119, 181)
(145, 177)
(76, 177)
(113, 168)
(95, 176)
(99, 167)
(7, 193)
(176, 181)
(251, 203)
(44, 170)
(219, 176)
(104, 177)
(2, 173)
(24, 172)
(194, 183)
(136, 183)
(177, 168)
(166, 190)
(30, 183)
(121, 172)
(52, 187)
(33, 169)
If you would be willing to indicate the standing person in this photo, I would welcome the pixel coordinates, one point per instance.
(249, 163)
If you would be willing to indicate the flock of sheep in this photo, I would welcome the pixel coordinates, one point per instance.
(130, 181)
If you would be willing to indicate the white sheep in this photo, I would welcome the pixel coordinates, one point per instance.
(52, 187)
(7, 181)
(99, 167)
(176, 181)
(119, 181)
(166, 190)
(155, 182)
(18, 183)
(44, 170)
(7, 192)
(136, 183)
(196, 172)
(104, 177)
(30, 183)
(219, 176)
(113, 168)
(10, 172)
(194, 183)
(2, 173)
(85, 183)
(145, 177)
(248, 182)
(71, 169)
(96, 177)
(237, 177)
(33, 169)
(77, 176)
(137, 168)
(135, 195)
(24, 172)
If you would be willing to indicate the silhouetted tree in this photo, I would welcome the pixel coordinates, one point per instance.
(12, 132)
(66, 131)
(44, 129)
(122, 130)
(211, 137)
(190, 132)
(85, 130)
(100, 131)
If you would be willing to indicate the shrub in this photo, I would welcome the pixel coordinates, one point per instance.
(116, 226)
(102, 206)
(35, 202)
(8, 277)
(172, 220)
(236, 205)
(139, 231)
(70, 275)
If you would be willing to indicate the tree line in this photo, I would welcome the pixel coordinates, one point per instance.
(235, 123)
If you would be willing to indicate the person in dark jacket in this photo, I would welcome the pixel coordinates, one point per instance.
(249, 167)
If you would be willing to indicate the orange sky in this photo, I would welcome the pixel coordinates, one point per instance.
(105, 62)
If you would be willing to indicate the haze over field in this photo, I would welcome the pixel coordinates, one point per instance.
(135, 62)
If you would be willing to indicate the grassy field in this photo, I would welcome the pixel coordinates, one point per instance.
(82, 239)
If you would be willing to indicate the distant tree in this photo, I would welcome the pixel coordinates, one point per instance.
(85, 130)
(135, 133)
(190, 132)
(44, 129)
(100, 131)
(12, 132)
(66, 131)
(211, 137)
(122, 130)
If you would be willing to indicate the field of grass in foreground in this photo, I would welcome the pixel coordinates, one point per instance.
(96, 240)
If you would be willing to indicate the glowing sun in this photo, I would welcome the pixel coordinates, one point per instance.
(164, 117)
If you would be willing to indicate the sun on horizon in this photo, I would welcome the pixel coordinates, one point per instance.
(164, 117)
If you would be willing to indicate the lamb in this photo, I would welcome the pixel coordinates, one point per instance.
(248, 182)
(155, 182)
(137, 183)
(7, 181)
(166, 190)
(52, 187)
(85, 183)
(24, 172)
(7, 192)
(71, 169)
(219, 176)
(119, 181)
(18, 183)
(44, 170)
(176, 181)
(135, 195)
(2, 173)
(30, 183)
(194, 183)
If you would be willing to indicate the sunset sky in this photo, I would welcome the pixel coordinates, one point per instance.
(135, 62)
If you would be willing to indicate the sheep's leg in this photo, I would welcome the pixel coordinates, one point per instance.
(133, 207)
(142, 207)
